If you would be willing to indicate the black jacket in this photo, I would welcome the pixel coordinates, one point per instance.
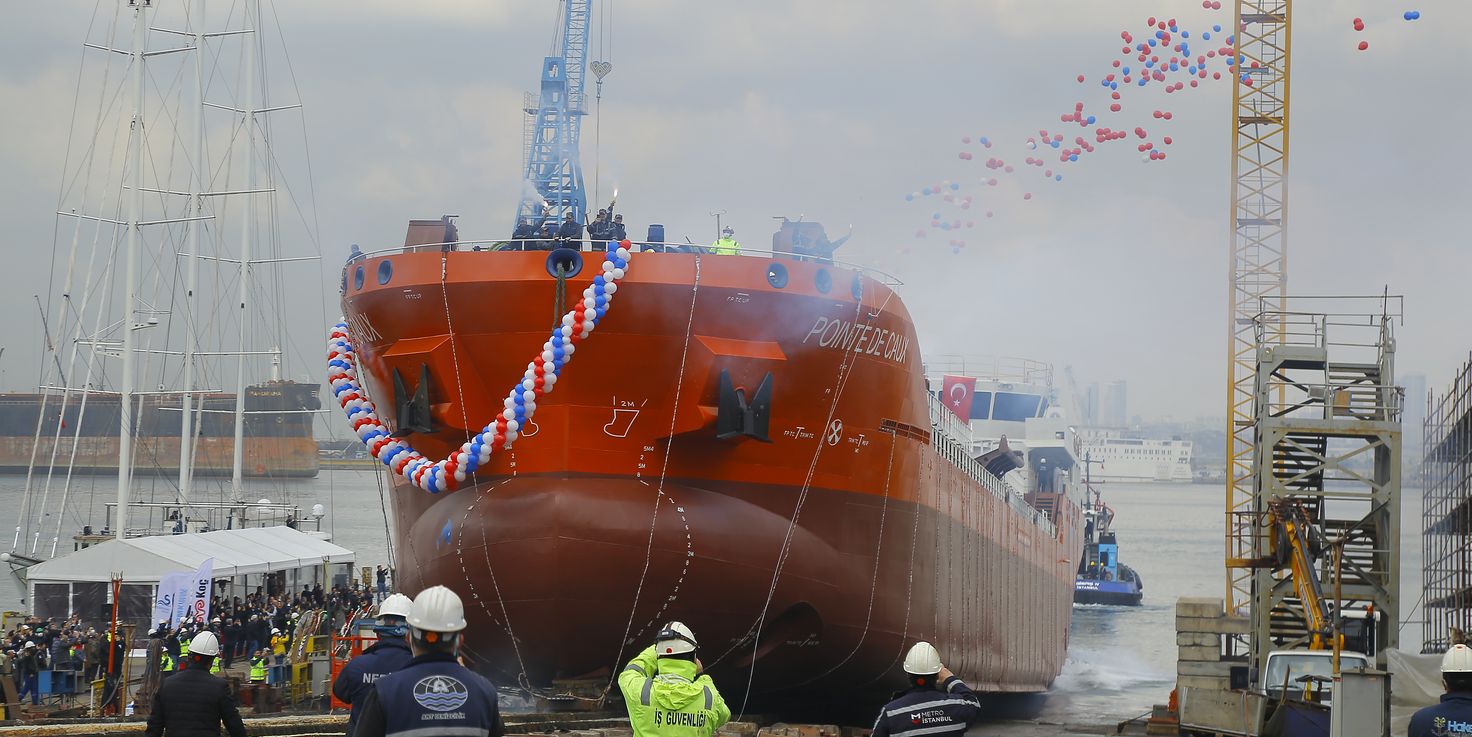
(929, 711)
(193, 703)
(570, 229)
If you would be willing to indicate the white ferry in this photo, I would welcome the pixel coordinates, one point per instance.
(1138, 459)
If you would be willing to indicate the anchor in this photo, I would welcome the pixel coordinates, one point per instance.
(413, 412)
(739, 416)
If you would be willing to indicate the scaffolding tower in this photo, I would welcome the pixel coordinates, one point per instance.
(1326, 439)
(1446, 516)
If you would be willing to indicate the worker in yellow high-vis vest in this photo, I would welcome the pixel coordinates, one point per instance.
(726, 245)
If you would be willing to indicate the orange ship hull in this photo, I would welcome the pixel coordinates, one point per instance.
(818, 555)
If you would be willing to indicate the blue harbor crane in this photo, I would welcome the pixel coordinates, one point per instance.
(555, 124)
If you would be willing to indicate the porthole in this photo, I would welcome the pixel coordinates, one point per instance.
(777, 275)
(358, 278)
(823, 281)
(385, 271)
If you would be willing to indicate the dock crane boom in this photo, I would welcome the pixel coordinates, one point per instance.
(553, 166)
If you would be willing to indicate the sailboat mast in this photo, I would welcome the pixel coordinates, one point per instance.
(246, 234)
(191, 280)
(135, 219)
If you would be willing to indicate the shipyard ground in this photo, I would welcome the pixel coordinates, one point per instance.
(565, 724)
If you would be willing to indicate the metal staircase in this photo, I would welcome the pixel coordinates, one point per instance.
(1326, 435)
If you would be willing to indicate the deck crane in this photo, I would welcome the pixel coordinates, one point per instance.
(555, 124)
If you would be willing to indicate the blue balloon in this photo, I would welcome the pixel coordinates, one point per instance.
(1413, 15)
(1143, 81)
(1073, 157)
(1091, 119)
(1113, 85)
(1056, 144)
(1126, 71)
(934, 216)
(1206, 36)
(1231, 40)
(1149, 65)
(1218, 29)
(1057, 177)
(1152, 42)
(909, 198)
(955, 186)
(1231, 61)
(984, 141)
(1175, 67)
(1185, 34)
(1160, 35)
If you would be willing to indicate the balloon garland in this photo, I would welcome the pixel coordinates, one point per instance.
(521, 402)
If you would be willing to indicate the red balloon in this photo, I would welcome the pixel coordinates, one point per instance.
(1027, 196)
(1363, 45)
(1167, 140)
(1080, 79)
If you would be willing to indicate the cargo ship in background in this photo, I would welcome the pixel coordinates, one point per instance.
(1138, 460)
(749, 444)
(278, 432)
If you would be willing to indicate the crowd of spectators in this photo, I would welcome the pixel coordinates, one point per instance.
(245, 626)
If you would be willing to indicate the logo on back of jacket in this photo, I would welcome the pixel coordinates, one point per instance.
(931, 716)
(441, 694)
(678, 718)
(1443, 726)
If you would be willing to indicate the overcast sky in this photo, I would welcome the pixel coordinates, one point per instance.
(836, 110)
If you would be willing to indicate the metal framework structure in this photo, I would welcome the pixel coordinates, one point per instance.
(552, 163)
(1446, 516)
(1327, 440)
(1258, 270)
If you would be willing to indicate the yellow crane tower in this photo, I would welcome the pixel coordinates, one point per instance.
(1259, 266)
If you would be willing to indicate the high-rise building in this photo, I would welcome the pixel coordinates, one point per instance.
(1114, 404)
(1091, 405)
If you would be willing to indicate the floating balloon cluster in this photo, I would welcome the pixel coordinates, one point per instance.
(1166, 55)
(521, 402)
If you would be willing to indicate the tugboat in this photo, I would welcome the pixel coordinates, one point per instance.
(1101, 578)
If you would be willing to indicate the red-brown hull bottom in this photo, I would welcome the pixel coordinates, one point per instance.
(551, 567)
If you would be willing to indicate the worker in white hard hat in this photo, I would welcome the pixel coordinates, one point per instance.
(433, 694)
(665, 691)
(936, 703)
(1453, 716)
(386, 656)
(193, 701)
(726, 245)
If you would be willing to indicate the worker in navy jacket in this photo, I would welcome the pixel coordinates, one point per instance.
(937, 702)
(1453, 716)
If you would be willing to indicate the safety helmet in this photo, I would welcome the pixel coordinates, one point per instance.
(275, 631)
(1457, 660)
(922, 660)
(727, 231)
(674, 639)
(437, 609)
(204, 643)
(396, 605)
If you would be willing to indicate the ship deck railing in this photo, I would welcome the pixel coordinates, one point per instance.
(990, 368)
(951, 439)
(547, 245)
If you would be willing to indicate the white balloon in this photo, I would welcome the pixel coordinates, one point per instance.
(589, 303)
(510, 436)
(529, 407)
(609, 289)
(509, 403)
(528, 383)
(509, 414)
(567, 320)
(618, 273)
(622, 252)
(608, 266)
(548, 381)
(459, 475)
(566, 328)
(513, 425)
(547, 356)
(568, 348)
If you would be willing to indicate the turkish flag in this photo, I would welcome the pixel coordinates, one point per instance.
(956, 394)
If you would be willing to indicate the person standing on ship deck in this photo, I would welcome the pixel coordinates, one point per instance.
(726, 245)
(570, 234)
(937, 702)
(386, 656)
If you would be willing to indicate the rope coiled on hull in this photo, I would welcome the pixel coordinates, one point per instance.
(521, 402)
